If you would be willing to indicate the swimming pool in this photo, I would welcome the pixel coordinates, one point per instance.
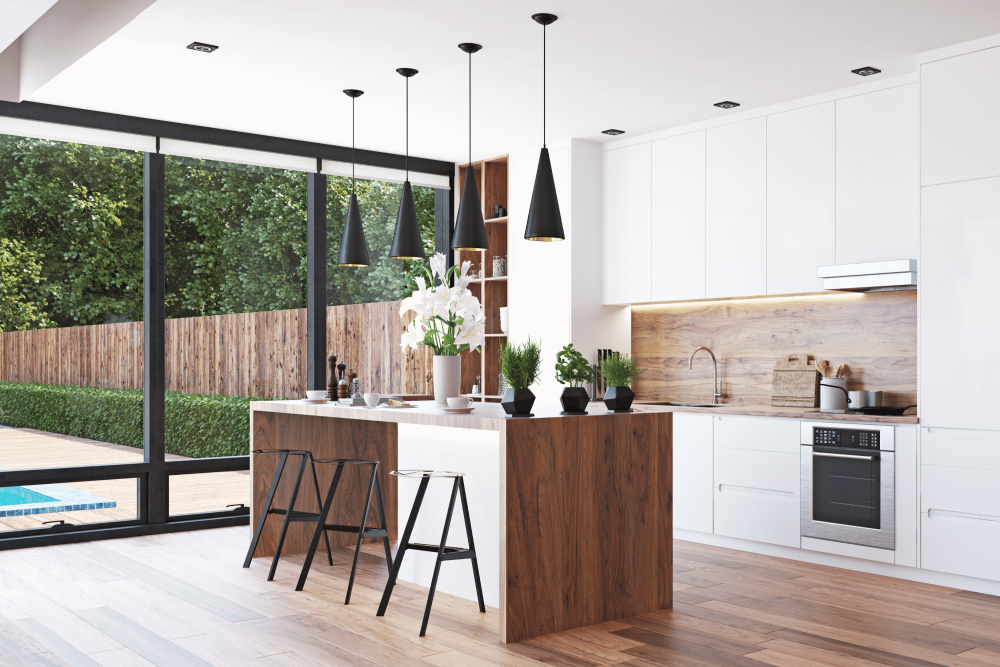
(47, 499)
(16, 495)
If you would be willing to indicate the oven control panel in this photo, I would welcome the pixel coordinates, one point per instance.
(846, 437)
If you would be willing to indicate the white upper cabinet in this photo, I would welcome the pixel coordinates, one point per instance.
(960, 135)
(959, 307)
(878, 172)
(678, 234)
(801, 198)
(627, 243)
(736, 209)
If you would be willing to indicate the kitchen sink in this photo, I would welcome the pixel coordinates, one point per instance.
(687, 405)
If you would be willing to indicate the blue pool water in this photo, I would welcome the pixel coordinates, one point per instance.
(15, 495)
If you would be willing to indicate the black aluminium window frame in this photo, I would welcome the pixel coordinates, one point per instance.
(153, 474)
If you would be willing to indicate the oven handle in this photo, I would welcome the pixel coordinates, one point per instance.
(847, 456)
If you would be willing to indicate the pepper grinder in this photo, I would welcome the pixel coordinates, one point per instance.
(342, 384)
(331, 376)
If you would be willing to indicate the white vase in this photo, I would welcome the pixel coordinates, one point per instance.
(447, 378)
(503, 319)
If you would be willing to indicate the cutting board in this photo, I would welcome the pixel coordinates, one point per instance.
(795, 383)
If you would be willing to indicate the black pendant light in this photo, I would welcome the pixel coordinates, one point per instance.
(470, 231)
(544, 219)
(406, 241)
(353, 246)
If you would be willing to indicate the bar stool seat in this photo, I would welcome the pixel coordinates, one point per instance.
(444, 552)
(290, 513)
(363, 531)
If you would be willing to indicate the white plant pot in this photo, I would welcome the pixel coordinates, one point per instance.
(503, 319)
(447, 378)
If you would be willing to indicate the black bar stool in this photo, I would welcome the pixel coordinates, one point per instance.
(363, 531)
(443, 552)
(290, 513)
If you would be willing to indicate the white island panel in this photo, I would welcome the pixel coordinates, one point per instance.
(477, 454)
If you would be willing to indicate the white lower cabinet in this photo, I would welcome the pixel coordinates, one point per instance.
(693, 472)
(960, 502)
(757, 495)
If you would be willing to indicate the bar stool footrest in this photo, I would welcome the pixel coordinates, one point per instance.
(296, 515)
(450, 553)
(370, 531)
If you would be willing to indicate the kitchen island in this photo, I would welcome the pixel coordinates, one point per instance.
(571, 514)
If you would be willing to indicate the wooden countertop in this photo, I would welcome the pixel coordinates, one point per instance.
(770, 411)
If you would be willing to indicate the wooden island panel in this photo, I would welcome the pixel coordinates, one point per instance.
(587, 532)
(326, 438)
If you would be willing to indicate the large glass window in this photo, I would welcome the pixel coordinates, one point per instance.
(386, 279)
(71, 309)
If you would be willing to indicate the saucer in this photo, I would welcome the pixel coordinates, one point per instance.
(460, 411)
(315, 401)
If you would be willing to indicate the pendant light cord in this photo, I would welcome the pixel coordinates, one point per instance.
(353, 161)
(544, 33)
(470, 109)
(407, 128)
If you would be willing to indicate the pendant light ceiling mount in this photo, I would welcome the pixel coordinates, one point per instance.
(470, 228)
(406, 241)
(544, 219)
(353, 245)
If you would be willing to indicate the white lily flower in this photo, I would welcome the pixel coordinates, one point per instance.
(438, 264)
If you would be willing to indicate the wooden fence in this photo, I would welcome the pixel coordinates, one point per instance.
(250, 354)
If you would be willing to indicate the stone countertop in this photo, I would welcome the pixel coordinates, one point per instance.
(486, 416)
(770, 411)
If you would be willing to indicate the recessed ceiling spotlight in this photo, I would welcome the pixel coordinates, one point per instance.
(613, 132)
(204, 48)
(866, 71)
(727, 105)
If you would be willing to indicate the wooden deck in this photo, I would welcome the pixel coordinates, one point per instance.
(27, 448)
(182, 599)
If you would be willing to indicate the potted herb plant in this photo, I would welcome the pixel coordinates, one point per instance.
(520, 366)
(620, 370)
(572, 369)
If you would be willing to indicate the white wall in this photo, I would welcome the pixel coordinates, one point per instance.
(554, 289)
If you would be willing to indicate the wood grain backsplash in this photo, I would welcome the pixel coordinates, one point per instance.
(875, 334)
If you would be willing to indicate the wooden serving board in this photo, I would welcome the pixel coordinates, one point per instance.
(795, 383)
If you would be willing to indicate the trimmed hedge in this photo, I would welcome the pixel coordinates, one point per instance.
(197, 425)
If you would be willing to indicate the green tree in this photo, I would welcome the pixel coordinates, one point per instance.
(78, 210)
(20, 270)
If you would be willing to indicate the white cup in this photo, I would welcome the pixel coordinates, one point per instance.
(459, 402)
(371, 399)
(316, 394)
(503, 319)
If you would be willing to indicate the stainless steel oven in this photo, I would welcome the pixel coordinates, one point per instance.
(848, 483)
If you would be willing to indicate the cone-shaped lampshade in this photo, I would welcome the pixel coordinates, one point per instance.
(470, 232)
(406, 241)
(353, 246)
(544, 219)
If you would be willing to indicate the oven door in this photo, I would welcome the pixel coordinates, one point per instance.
(848, 495)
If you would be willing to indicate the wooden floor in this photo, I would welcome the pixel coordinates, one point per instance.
(183, 600)
(22, 448)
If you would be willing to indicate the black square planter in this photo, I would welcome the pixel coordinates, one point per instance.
(574, 401)
(518, 402)
(619, 399)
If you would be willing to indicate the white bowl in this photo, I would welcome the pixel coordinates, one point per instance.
(371, 399)
(459, 402)
(316, 394)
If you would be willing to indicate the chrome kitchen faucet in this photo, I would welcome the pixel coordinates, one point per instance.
(716, 387)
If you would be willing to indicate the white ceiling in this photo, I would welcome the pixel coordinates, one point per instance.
(16, 16)
(634, 65)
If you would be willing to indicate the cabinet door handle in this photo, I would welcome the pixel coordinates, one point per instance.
(745, 490)
(846, 456)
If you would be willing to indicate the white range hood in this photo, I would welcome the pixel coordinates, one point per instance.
(896, 274)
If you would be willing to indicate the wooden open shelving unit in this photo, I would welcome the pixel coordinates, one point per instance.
(492, 181)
